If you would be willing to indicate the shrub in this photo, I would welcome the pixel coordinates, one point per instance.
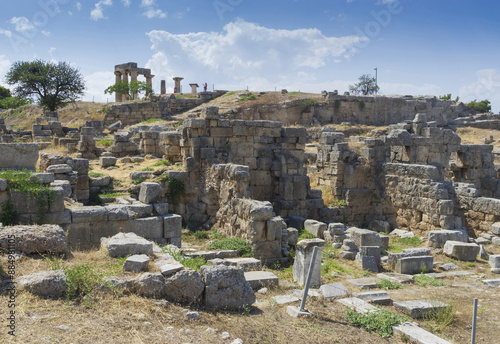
(251, 96)
(192, 263)
(423, 280)
(147, 169)
(138, 181)
(339, 203)
(385, 283)
(201, 234)
(483, 106)
(306, 105)
(162, 162)
(176, 188)
(237, 244)
(96, 174)
(380, 320)
(104, 142)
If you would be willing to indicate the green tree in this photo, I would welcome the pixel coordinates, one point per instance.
(52, 84)
(130, 88)
(445, 97)
(4, 93)
(367, 85)
(482, 106)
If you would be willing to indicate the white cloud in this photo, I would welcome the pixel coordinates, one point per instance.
(486, 86)
(97, 12)
(78, 6)
(248, 54)
(4, 66)
(6, 33)
(46, 33)
(151, 10)
(126, 3)
(96, 83)
(22, 24)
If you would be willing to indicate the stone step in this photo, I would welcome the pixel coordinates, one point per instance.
(284, 299)
(248, 264)
(396, 278)
(363, 283)
(260, 279)
(419, 308)
(417, 334)
(334, 291)
(377, 297)
(209, 255)
(492, 282)
(358, 305)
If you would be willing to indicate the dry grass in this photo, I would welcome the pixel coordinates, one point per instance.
(476, 136)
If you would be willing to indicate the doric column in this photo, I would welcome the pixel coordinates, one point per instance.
(118, 96)
(133, 77)
(163, 87)
(125, 80)
(149, 81)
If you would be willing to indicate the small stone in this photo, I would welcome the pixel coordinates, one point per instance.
(262, 291)
(188, 331)
(193, 315)
(237, 341)
(225, 335)
(63, 327)
(448, 267)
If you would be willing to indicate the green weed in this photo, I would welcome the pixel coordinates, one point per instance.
(380, 320)
(385, 283)
(238, 244)
(423, 281)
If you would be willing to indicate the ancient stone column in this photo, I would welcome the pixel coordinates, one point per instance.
(194, 88)
(125, 80)
(177, 81)
(163, 87)
(303, 256)
(133, 77)
(118, 96)
(149, 80)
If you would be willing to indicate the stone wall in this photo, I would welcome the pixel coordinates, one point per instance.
(273, 153)
(132, 113)
(368, 110)
(18, 156)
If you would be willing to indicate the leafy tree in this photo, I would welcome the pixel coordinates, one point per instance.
(4, 93)
(129, 88)
(482, 106)
(14, 102)
(52, 84)
(446, 97)
(367, 85)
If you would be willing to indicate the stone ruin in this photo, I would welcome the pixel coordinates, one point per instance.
(252, 179)
(122, 71)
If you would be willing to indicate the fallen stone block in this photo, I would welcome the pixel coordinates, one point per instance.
(417, 334)
(167, 269)
(284, 299)
(226, 287)
(438, 238)
(303, 257)
(107, 161)
(358, 305)
(492, 282)
(247, 264)
(396, 278)
(136, 263)
(42, 239)
(363, 283)
(414, 265)
(259, 279)
(407, 252)
(333, 291)
(124, 244)
(495, 263)
(45, 284)
(461, 250)
(495, 228)
(377, 297)
(419, 308)
(316, 228)
(365, 237)
(184, 286)
(349, 255)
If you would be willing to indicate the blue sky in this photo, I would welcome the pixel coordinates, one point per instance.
(418, 46)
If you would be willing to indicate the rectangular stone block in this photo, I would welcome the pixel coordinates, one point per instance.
(414, 265)
(148, 227)
(89, 214)
(419, 308)
(461, 250)
(172, 226)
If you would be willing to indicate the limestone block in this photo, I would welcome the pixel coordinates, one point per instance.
(336, 228)
(334, 291)
(367, 263)
(117, 212)
(349, 255)
(420, 308)
(438, 238)
(495, 228)
(148, 227)
(18, 155)
(139, 209)
(150, 192)
(349, 245)
(45, 284)
(407, 252)
(417, 334)
(303, 257)
(89, 214)
(365, 237)
(316, 228)
(172, 226)
(123, 244)
(461, 250)
(296, 221)
(495, 263)
(267, 250)
(136, 263)
(62, 168)
(293, 236)
(42, 239)
(100, 230)
(273, 228)
(150, 285)
(160, 208)
(226, 287)
(260, 279)
(373, 251)
(100, 181)
(184, 286)
(44, 178)
(57, 200)
(414, 265)
(106, 161)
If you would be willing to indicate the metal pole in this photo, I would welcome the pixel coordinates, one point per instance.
(308, 280)
(474, 315)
